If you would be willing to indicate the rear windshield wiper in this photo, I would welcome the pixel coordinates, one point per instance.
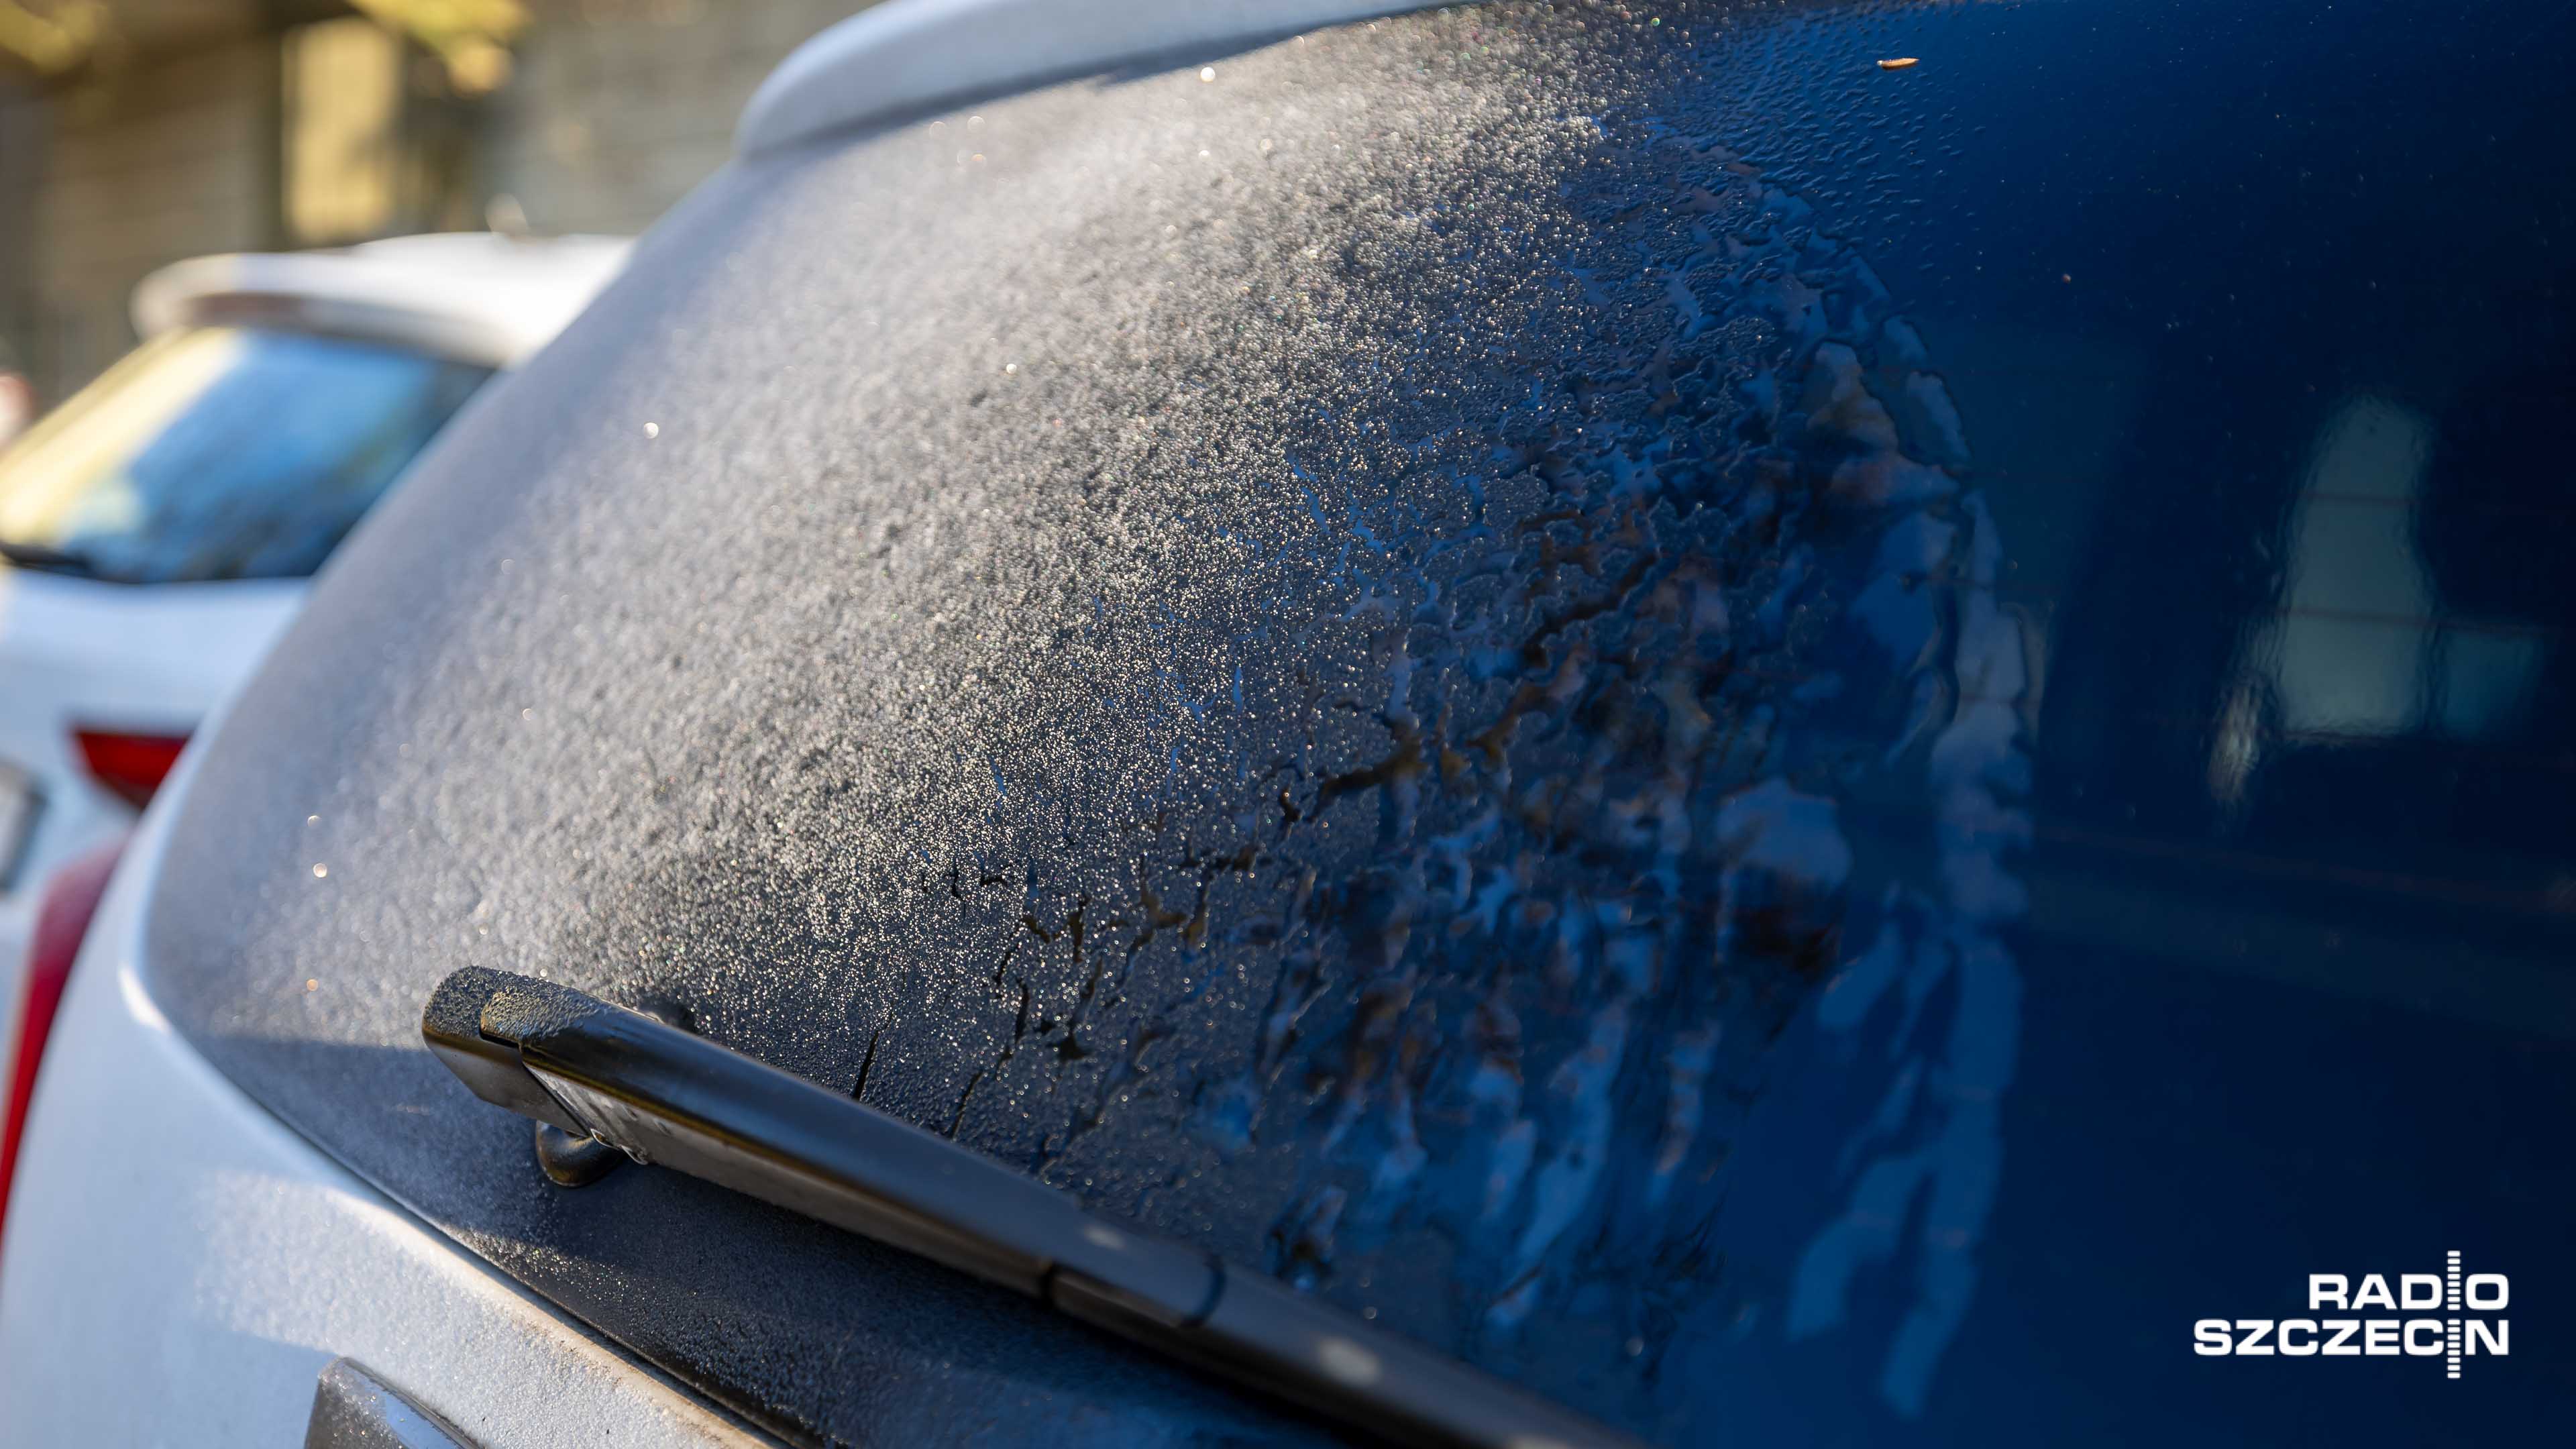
(661, 1095)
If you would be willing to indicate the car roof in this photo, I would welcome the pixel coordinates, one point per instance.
(474, 296)
(903, 56)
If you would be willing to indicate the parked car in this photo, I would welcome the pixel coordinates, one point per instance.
(1510, 724)
(17, 397)
(160, 527)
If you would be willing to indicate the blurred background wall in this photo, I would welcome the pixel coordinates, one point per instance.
(134, 133)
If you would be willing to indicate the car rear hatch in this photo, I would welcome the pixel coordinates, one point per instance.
(1629, 693)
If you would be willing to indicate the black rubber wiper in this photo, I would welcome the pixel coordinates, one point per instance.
(662, 1095)
(52, 560)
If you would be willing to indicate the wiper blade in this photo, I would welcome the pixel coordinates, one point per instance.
(662, 1095)
(38, 556)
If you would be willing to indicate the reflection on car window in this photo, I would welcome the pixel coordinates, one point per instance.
(222, 453)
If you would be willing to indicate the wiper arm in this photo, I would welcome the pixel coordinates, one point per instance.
(662, 1095)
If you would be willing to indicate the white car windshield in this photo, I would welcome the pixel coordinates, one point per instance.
(221, 453)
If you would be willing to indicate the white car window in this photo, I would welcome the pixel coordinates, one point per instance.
(222, 453)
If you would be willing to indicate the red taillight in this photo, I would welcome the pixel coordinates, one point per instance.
(62, 918)
(131, 765)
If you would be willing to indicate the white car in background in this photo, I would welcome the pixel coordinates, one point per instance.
(160, 527)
